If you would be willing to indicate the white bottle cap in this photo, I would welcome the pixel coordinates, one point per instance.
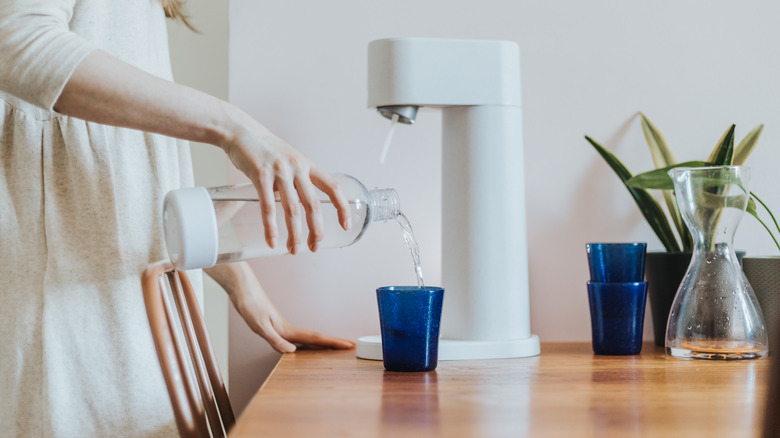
(190, 227)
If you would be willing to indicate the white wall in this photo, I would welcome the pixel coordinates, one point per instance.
(199, 60)
(693, 67)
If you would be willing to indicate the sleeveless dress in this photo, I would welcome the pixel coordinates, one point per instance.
(80, 209)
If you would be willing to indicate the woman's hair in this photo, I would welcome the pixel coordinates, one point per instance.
(174, 9)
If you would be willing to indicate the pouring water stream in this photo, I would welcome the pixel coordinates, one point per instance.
(403, 221)
(411, 242)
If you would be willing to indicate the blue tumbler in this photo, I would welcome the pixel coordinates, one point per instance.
(617, 315)
(409, 317)
(616, 262)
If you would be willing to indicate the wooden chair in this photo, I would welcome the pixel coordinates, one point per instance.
(200, 402)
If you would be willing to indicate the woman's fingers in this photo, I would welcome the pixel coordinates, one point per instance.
(330, 187)
(265, 189)
(311, 204)
(302, 193)
(274, 166)
(310, 338)
(269, 333)
(292, 208)
(284, 337)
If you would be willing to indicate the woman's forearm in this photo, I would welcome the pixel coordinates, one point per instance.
(106, 90)
(231, 276)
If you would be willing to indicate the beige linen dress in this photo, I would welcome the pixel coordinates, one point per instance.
(79, 220)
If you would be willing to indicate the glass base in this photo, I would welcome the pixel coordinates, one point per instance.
(370, 347)
(717, 350)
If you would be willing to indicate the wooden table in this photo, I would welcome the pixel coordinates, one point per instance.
(565, 392)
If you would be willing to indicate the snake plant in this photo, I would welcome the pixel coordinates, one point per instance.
(665, 223)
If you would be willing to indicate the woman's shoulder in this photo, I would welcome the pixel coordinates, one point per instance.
(133, 30)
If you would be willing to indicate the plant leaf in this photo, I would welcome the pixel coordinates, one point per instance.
(746, 146)
(724, 150)
(662, 155)
(659, 178)
(751, 209)
(679, 224)
(716, 201)
(650, 209)
(753, 195)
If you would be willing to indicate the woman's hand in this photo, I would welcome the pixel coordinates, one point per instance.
(273, 165)
(255, 307)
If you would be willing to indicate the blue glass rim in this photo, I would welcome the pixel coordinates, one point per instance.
(429, 289)
(616, 244)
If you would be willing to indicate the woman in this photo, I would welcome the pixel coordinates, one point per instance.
(91, 132)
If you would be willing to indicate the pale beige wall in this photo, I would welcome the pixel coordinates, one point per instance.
(200, 60)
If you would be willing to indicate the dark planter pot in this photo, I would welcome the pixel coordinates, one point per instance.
(664, 271)
(763, 274)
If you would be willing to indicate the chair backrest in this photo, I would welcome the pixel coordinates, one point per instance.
(200, 402)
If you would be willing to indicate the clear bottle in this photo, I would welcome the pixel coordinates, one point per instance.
(207, 226)
(715, 314)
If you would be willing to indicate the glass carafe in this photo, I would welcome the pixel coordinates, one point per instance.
(715, 314)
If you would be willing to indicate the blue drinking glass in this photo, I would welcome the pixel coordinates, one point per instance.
(617, 315)
(409, 317)
(616, 262)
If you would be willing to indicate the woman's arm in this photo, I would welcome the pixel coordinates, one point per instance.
(255, 307)
(106, 90)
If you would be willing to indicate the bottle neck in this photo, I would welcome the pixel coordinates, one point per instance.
(385, 204)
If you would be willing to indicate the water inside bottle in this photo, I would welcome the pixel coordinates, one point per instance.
(411, 242)
(240, 237)
(242, 233)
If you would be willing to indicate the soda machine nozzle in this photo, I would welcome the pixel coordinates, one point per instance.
(406, 113)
